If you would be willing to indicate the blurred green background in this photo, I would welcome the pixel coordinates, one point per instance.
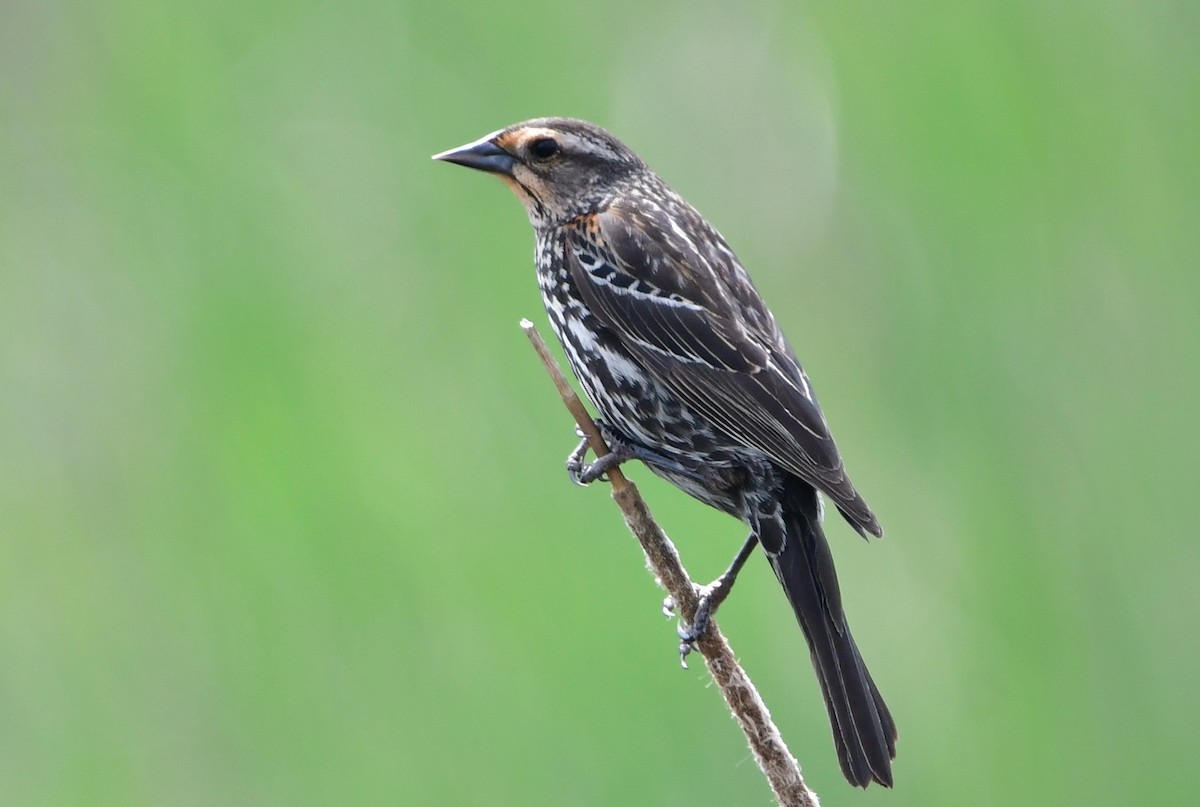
(283, 519)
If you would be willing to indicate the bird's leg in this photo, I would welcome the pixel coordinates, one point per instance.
(586, 474)
(711, 597)
(620, 450)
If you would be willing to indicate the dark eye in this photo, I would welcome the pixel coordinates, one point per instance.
(543, 148)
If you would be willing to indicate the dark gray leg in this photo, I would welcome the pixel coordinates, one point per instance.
(584, 473)
(711, 597)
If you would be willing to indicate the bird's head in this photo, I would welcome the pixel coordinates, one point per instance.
(560, 168)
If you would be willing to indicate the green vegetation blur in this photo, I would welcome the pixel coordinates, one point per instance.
(283, 517)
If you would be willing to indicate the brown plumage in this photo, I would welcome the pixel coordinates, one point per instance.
(691, 374)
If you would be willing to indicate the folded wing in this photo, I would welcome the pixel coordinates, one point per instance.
(686, 308)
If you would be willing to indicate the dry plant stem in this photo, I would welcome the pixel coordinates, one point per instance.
(770, 752)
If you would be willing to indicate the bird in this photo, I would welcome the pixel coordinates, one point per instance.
(692, 375)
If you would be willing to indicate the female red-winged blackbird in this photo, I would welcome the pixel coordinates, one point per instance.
(691, 375)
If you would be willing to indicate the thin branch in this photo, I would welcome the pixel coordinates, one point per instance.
(744, 702)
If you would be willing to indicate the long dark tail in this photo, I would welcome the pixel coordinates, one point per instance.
(863, 730)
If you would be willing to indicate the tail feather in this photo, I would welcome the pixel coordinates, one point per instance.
(863, 730)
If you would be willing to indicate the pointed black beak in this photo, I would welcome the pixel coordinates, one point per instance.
(482, 155)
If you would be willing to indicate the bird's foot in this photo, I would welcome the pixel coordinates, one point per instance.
(584, 473)
(710, 597)
(576, 463)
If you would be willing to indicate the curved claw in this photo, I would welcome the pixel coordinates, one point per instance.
(576, 467)
(685, 648)
(692, 633)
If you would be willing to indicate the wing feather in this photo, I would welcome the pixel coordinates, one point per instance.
(684, 311)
